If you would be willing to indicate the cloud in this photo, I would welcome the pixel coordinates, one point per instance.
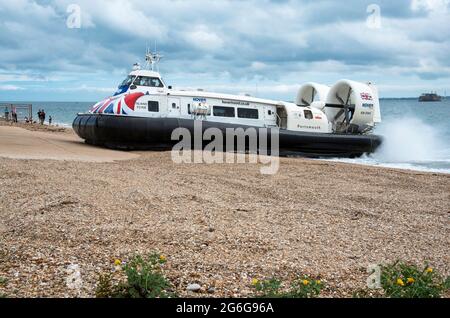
(224, 43)
(125, 17)
(10, 88)
(430, 5)
(258, 66)
(85, 88)
(203, 38)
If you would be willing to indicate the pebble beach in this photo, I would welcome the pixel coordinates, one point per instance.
(64, 203)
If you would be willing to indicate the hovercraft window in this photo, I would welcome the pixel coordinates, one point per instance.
(128, 80)
(153, 106)
(148, 81)
(308, 114)
(221, 111)
(248, 113)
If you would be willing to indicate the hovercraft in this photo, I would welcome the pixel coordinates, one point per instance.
(324, 121)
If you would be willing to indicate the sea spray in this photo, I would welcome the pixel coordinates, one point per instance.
(409, 140)
(409, 143)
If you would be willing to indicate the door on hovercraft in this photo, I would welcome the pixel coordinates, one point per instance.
(174, 107)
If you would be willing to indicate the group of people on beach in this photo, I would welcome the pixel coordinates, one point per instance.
(13, 115)
(41, 116)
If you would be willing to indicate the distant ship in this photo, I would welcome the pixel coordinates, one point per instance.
(430, 97)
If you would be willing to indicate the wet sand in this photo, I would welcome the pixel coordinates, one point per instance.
(38, 143)
(218, 225)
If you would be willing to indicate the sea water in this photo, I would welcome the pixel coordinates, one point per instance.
(63, 113)
(416, 135)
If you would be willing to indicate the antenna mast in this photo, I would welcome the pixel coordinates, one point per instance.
(152, 59)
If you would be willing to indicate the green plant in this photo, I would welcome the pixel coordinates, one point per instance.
(105, 287)
(268, 288)
(447, 284)
(400, 280)
(144, 279)
(306, 287)
(3, 281)
(303, 287)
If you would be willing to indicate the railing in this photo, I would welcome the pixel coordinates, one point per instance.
(23, 111)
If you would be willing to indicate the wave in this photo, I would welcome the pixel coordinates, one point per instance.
(434, 167)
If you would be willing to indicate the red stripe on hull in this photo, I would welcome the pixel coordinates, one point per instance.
(118, 107)
(130, 100)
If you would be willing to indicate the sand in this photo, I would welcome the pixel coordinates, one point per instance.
(218, 225)
(53, 143)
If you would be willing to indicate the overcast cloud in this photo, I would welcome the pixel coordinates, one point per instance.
(265, 48)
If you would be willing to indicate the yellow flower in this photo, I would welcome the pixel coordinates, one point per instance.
(429, 270)
(318, 282)
(162, 258)
(117, 262)
(255, 281)
(410, 280)
(400, 282)
(305, 282)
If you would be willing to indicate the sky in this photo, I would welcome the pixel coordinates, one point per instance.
(58, 50)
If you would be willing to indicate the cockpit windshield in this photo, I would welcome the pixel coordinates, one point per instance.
(142, 81)
(128, 80)
(148, 81)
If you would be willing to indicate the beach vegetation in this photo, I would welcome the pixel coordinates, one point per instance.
(140, 277)
(401, 280)
(302, 287)
(270, 288)
(105, 286)
(3, 282)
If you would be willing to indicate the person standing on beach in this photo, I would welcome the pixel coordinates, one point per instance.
(49, 120)
(6, 114)
(41, 116)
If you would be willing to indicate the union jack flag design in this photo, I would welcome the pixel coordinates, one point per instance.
(366, 96)
(122, 105)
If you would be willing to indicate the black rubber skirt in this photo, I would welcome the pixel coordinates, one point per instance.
(137, 133)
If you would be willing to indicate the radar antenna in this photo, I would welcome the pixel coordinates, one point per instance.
(152, 59)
